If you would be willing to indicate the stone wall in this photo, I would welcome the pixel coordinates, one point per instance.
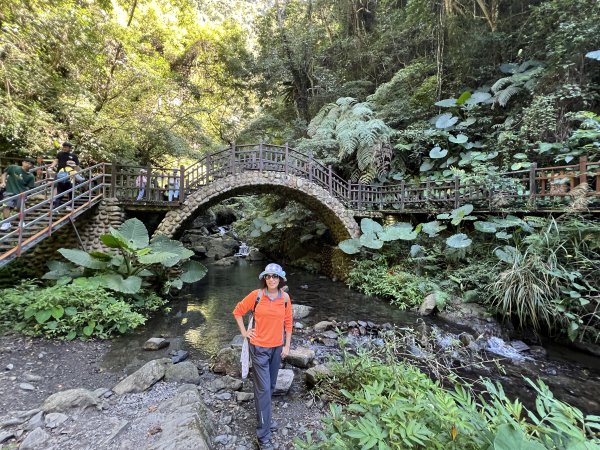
(330, 211)
(108, 214)
(90, 226)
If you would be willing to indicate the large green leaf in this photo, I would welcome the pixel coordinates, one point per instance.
(426, 165)
(459, 240)
(162, 244)
(115, 282)
(485, 227)
(43, 316)
(437, 152)
(432, 228)
(459, 214)
(370, 226)
(135, 232)
(60, 269)
(370, 240)
(350, 246)
(82, 258)
(158, 258)
(508, 254)
(458, 139)
(446, 103)
(445, 121)
(192, 271)
(111, 241)
(399, 231)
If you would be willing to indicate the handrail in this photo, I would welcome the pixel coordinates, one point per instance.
(525, 188)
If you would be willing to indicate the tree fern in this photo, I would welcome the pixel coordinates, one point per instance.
(358, 135)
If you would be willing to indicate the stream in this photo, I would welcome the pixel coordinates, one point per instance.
(200, 321)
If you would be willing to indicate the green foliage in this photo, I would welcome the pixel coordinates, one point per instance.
(140, 80)
(350, 129)
(81, 309)
(403, 289)
(137, 258)
(386, 404)
(547, 280)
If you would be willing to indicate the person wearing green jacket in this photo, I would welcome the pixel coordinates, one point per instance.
(15, 179)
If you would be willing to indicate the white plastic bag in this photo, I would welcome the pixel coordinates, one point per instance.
(245, 356)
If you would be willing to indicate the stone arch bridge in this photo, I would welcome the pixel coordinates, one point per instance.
(110, 189)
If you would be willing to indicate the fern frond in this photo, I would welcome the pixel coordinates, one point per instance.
(362, 110)
(346, 101)
(364, 156)
(368, 175)
(347, 140)
(501, 84)
(317, 121)
(383, 157)
(504, 96)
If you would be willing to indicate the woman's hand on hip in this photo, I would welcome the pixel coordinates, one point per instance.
(250, 334)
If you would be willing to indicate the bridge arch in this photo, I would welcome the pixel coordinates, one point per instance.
(331, 211)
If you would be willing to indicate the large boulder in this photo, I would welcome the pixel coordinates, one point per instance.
(227, 361)
(285, 377)
(428, 305)
(184, 372)
(300, 357)
(216, 247)
(255, 255)
(185, 423)
(317, 372)
(301, 311)
(36, 440)
(71, 398)
(144, 377)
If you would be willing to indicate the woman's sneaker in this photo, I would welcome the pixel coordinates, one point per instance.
(5, 226)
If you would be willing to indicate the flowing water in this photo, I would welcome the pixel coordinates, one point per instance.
(201, 322)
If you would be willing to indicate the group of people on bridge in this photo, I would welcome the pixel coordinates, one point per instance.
(17, 179)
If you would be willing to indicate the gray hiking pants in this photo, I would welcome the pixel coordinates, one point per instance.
(265, 366)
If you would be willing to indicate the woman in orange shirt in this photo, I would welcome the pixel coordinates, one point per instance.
(272, 311)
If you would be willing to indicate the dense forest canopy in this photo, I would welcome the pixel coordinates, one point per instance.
(359, 83)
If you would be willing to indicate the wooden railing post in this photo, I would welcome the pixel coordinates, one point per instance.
(21, 226)
(532, 183)
(260, 156)
(456, 191)
(349, 187)
(232, 159)
(287, 154)
(148, 192)
(583, 160)
(359, 200)
(330, 179)
(181, 183)
(113, 180)
(310, 166)
(402, 194)
(208, 167)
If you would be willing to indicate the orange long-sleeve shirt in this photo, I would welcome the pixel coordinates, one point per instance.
(270, 318)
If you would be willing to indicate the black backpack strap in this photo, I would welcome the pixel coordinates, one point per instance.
(257, 300)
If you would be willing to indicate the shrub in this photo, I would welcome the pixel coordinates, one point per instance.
(385, 404)
(404, 289)
(68, 311)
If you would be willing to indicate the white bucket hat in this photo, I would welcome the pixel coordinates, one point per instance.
(273, 268)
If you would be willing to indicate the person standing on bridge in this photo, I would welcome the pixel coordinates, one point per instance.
(272, 311)
(16, 180)
(63, 157)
